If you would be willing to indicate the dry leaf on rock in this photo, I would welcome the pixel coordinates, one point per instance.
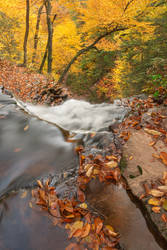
(163, 156)
(152, 132)
(156, 193)
(163, 188)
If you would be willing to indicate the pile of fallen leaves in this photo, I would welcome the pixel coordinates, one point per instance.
(154, 126)
(158, 193)
(29, 86)
(88, 229)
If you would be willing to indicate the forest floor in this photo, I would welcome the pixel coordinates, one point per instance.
(142, 161)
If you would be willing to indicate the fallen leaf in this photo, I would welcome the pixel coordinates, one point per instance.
(156, 210)
(165, 205)
(16, 150)
(23, 195)
(81, 195)
(164, 218)
(111, 231)
(156, 156)
(98, 225)
(156, 193)
(39, 183)
(30, 204)
(111, 157)
(163, 156)
(152, 132)
(111, 164)
(83, 205)
(85, 230)
(74, 227)
(163, 188)
(154, 202)
(89, 172)
(26, 128)
(152, 143)
(131, 157)
(96, 171)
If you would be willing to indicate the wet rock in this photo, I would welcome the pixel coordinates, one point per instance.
(138, 153)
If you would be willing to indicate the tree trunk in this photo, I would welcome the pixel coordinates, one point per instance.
(26, 32)
(46, 50)
(50, 34)
(36, 33)
(82, 51)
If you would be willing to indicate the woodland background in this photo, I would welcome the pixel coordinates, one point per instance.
(102, 49)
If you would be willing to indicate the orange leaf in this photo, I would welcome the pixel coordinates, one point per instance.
(163, 156)
(85, 230)
(164, 218)
(156, 210)
(98, 225)
(39, 183)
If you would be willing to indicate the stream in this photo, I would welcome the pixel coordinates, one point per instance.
(34, 145)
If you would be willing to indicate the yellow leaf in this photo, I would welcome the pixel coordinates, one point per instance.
(165, 205)
(154, 202)
(83, 205)
(89, 172)
(112, 164)
(152, 132)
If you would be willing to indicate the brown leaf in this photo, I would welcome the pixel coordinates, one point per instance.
(163, 156)
(81, 196)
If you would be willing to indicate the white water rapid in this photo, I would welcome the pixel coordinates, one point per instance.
(79, 116)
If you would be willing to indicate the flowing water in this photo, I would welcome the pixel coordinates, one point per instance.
(31, 148)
